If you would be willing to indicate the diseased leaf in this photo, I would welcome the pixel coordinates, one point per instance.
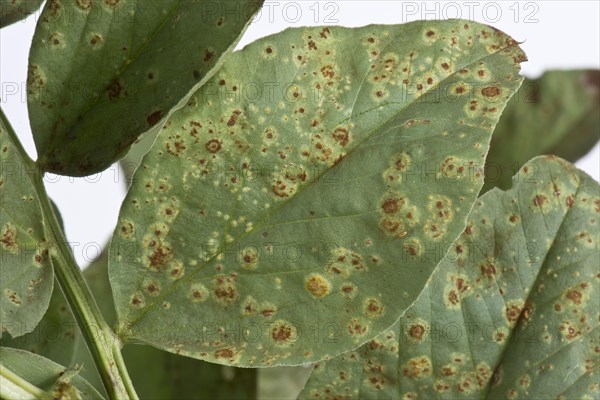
(266, 226)
(101, 73)
(26, 276)
(557, 114)
(55, 335)
(512, 311)
(60, 382)
(12, 11)
(157, 374)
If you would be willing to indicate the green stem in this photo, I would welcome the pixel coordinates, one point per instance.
(13, 387)
(101, 340)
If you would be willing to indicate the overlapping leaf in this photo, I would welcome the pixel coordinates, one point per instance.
(270, 222)
(103, 72)
(55, 335)
(513, 310)
(26, 276)
(555, 114)
(58, 381)
(12, 11)
(157, 374)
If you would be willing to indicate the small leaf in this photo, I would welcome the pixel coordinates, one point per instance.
(555, 114)
(55, 335)
(512, 311)
(59, 381)
(26, 276)
(12, 11)
(157, 374)
(101, 73)
(277, 218)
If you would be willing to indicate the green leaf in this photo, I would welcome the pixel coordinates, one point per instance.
(157, 374)
(55, 335)
(512, 311)
(265, 226)
(555, 114)
(12, 11)
(101, 73)
(26, 276)
(60, 382)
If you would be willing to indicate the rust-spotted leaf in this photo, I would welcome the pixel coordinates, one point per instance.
(101, 73)
(26, 276)
(511, 312)
(280, 215)
(556, 114)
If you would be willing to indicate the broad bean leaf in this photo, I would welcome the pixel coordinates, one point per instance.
(12, 11)
(269, 223)
(56, 334)
(512, 311)
(157, 374)
(101, 73)
(26, 275)
(58, 381)
(557, 113)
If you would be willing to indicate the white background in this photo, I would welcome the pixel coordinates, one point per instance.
(555, 35)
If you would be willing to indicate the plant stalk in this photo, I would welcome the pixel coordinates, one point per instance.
(103, 343)
(13, 387)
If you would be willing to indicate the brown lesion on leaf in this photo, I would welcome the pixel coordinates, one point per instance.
(208, 56)
(412, 247)
(225, 353)
(84, 4)
(373, 308)
(513, 311)
(153, 288)
(96, 39)
(417, 367)
(198, 293)
(570, 330)
(539, 200)
(491, 91)
(213, 146)
(154, 118)
(341, 136)
(233, 118)
(137, 300)
(8, 238)
(13, 297)
(575, 296)
(392, 205)
(325, 32)
(114, 89)
(176, 148)
(356, 327)
(224, 289)
(327, 71)
(452, 299)
(160, 255)
(317, 285)
(283, 333)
